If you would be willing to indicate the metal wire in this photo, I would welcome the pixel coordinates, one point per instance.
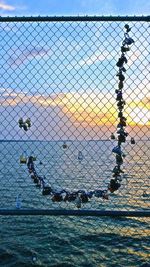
(75, 18)
(59, 114)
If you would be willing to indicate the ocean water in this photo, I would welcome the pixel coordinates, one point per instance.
(74, 241)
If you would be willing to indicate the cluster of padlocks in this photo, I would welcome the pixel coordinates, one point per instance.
(122, 134)
(77, 196)
(24, 124)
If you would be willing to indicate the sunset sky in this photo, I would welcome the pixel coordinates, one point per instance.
(63, 75)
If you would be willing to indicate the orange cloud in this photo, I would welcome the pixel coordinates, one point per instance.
(138, 111)
(87, 108)
(146, 102)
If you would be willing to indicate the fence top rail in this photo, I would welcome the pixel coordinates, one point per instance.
(74, 18)
(63, 212)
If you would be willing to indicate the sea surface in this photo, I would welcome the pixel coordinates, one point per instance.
(74, 241)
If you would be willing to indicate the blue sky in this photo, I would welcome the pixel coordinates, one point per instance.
(63, 75)
(74, 7)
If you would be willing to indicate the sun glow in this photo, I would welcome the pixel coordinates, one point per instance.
(88, 108)
(140, 116)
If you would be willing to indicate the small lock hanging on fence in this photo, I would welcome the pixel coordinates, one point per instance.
(24, 124)
(23, 159)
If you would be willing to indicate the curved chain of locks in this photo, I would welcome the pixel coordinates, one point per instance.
(79, 196)
(82, 196)
(122, 134)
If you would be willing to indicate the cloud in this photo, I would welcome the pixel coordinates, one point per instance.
(138, 111)
(95, 58)
(135, 56)
(146, 101)
(4, 6)
(85, 107)
(84, 115)
(28, 54)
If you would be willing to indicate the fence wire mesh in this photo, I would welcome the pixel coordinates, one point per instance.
(58, 121)
(58, 106)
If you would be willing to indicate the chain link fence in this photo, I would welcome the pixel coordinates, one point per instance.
(59, 116)
(60, 141)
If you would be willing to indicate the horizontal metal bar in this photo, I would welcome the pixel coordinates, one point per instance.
(75, 18)
(60, 212)
(63, 140)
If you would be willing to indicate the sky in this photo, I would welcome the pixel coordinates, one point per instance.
(74, 7)
(63, 75)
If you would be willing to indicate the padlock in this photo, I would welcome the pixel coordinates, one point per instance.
(124, 49)
(64, 146)
(120, 62)
(121, 138)
(121, 171)
(119, 96)
(112, 136)
(119, 160)
(132, 141)
(70, 197)
(46, 190)
(25, 127)
(43, 184)
(117, 176)
(28, 122)
(57, 197)
(124, 59)
(114, 185)
(117, 150)
(78, 202)
(116, 170)
(128, 41)
(123, 69)
(120, 131)
(128, 29)
(120, 114)
(120, 103)
(90, 194)
(105, 195)
(84, 198)
(36, 180)
(20, 122)
(123, 123)
(121, 77)
(23, 159)
(120, 85)
(101, 193)
(121, 108)
(119, 125)
(124, 118)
